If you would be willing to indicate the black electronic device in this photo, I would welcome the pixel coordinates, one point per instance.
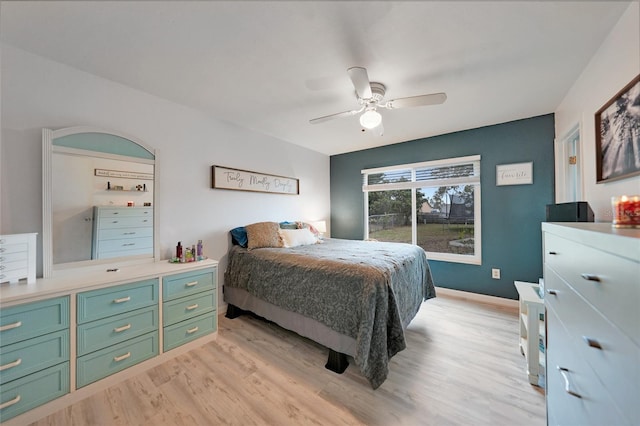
(576, 211)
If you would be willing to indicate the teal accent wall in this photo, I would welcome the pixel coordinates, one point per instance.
(103, 142)
(511, 215)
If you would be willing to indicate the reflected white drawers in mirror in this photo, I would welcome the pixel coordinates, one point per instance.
(18, 258)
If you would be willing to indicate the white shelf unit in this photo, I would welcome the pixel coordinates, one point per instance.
(532, 330)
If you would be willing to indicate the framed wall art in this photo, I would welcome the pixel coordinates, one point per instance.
(618, 135)
(244, 180)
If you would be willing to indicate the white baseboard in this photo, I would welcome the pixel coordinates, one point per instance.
(475, 297)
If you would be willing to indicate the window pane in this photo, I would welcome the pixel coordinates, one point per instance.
(444, 172)
(390, 215)
(392, 176)
(446, 219)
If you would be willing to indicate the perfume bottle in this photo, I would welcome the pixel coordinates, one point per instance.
(179, 250)
(199, 250)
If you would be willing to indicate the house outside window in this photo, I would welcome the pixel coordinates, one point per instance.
(434, 204)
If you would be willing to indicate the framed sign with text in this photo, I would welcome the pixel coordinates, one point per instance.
(514, 174)
(244, 180)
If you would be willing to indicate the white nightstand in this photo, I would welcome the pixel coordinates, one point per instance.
(532, 330)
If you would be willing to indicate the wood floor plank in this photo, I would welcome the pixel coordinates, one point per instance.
(462, 366)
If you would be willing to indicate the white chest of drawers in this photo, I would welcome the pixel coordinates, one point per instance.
(122, 231)
(591, 274)
(18, 258)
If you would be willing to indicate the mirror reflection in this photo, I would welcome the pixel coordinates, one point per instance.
(102, 198)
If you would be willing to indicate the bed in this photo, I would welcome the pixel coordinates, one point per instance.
(353, 297)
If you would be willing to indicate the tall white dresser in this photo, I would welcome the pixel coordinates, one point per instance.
(592, 282)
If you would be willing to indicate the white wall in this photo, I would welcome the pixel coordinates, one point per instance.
(613, 66)
(37, 93)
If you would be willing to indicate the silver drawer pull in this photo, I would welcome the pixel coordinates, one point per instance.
(114, 221)
(191, 284)
(553, 252)
(11, 326)
(552, 292)
(129, 233)
(192, 330)
(122, 357)
(121, 329)
(1, 267)
(122, 300)
(192, 307)
(15, 363)
(567, 386)
(128, 244)
(590, 277)
(11, 402)
(2, 249)
(593, 343)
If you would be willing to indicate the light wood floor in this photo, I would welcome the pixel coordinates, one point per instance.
(462, 366)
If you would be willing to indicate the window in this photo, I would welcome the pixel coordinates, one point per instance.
(434, 204)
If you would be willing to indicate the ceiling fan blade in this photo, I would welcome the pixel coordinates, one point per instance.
(332, 116)
(360, 80)
(416, 101)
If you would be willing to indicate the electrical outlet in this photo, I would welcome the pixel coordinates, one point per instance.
(495, 273)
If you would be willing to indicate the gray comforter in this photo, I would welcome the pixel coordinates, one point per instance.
(369, 291)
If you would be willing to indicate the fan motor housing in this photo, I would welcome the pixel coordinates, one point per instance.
(378, 90)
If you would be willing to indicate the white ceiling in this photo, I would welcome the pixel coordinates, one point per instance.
(272, 65)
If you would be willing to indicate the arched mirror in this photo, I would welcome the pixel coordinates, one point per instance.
(99, 197)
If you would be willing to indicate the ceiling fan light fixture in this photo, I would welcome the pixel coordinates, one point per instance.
(370, 119)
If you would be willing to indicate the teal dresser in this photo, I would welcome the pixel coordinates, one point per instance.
(34, 355)
(189, 307)
(64, 338)
(117, 328)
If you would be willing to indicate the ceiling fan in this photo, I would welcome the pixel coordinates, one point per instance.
(370, 97)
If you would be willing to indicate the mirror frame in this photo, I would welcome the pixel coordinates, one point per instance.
(48, 267)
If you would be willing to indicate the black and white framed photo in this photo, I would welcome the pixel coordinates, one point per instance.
(618, 135)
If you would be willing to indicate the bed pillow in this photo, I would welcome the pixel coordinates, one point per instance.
(263, 234)
(297, 237)
(239, 236)
(289, 225)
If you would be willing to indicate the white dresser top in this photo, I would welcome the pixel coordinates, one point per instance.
(623, 242)
(74, 281)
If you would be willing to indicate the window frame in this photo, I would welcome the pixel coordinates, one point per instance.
(413, 185)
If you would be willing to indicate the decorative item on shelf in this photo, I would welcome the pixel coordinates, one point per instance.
(626, 211)
(139, 187)
(147, 204)
(130, 204)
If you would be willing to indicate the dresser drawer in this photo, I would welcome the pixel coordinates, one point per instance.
(614, 358)
(591, 404)
(186, 331)
(116, 212)
(616, 291)
(188, 307)
(116, 358)
(33, 355)
(111, 330)
(188, 283)
(118, 233)
(97, 304)
(126, 222)
(123, 246)
(33, 390)
(23, 322)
